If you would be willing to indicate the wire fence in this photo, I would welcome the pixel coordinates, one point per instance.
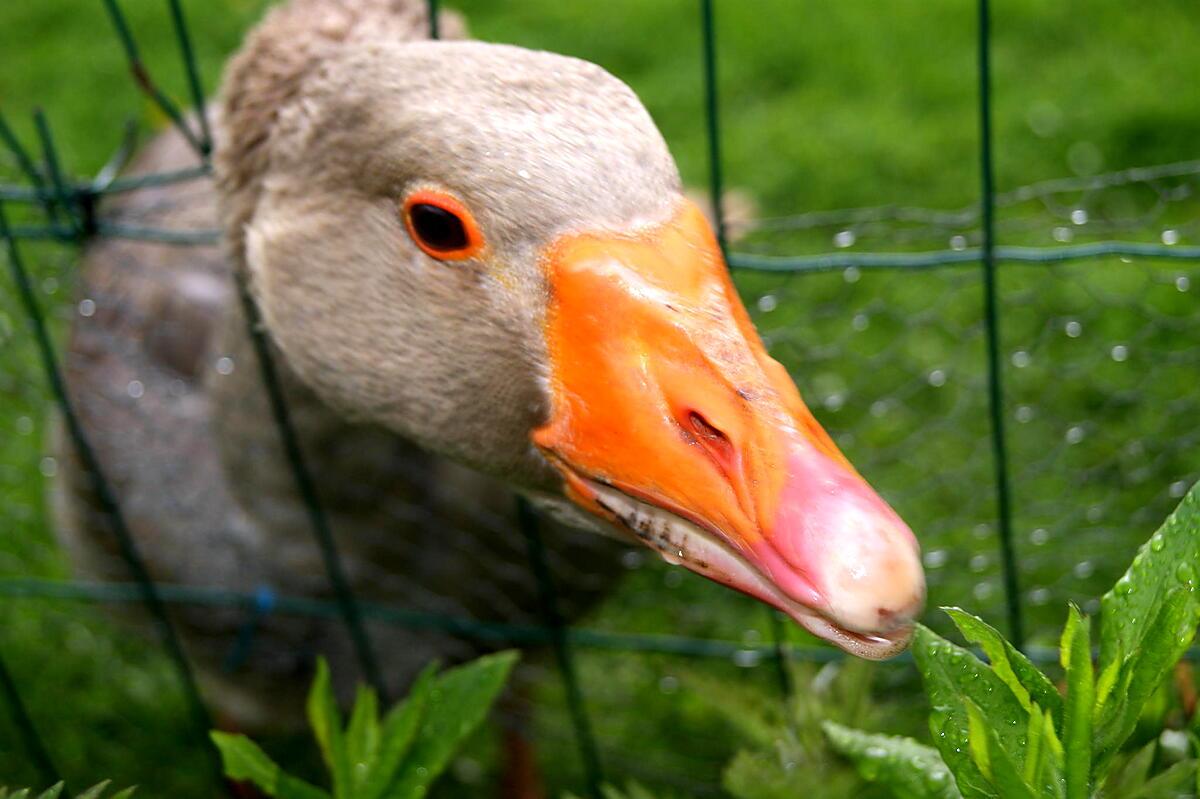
(994, 371)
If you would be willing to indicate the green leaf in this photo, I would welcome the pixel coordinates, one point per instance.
(910, 770)
(125, 794)
(326, 724)
(1147, 621)
(94, 792)
(244, 760)
(951, 675)
(992, 758)
(1176, 781)
(53, 791)
(362, 738)
(1028, 684)
(1076, 655)
(1133, 773)
(399, 731)
(1143, 671)
(457, 705)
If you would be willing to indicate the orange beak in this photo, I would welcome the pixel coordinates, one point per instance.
(669, 420)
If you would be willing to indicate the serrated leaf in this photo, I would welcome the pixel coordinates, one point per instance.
(952, 674)
(1076, 655)
(1143, 671)
(1133, 773)
(457, 705)
(21, 794)
(244, 760)
(992, 759)
(326, 723)
(362, 738)
(94, 792)
(1044, 767)
(399, 731)
(53, 791)
(1176, 781)
(1027, 682)
(1148, 619)
(909, 769)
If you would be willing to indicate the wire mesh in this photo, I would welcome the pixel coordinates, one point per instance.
(1087, 322)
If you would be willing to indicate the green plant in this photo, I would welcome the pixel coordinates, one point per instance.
(396, 757)
(55, 791)
(1002, 729)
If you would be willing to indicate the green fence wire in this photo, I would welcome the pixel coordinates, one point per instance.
(69, 209)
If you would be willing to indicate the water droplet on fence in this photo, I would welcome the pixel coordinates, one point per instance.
(834, 402)
(1073, 328)
(983, 591)
(87, 307)
(50, 285)
(24, 425)
(48, 466)
(1182, 283)
(978, 562)
(844, 238)
(632, 559)
(224, 365)
(135, 389)
(851, 274)
(1021, 359)
(936, 558)
(1120, 352)
(767, 303)
(1170, 237)
(746, 658)
(879, 408)
(958, 243)
(1024, 414)
(1062, 234)
(668, 685)
(1039, 536)
(1079, 216)
(937, 378)
(1178, 489)
(1075, 435)
(860, 322)
(1084, 569)
(1039, 596)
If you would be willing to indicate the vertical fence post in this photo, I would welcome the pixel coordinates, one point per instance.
(713, 120)
(39, 758)
(716, 191)
(307, 487)
(1012, 593)
(528, 521)
(104, 493)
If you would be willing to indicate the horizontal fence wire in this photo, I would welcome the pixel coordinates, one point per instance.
(736, 652)
(68, 205)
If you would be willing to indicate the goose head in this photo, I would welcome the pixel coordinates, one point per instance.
(487, 250)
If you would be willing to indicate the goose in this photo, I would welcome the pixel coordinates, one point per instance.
(478, 274)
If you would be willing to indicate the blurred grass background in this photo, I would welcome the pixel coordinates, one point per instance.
(825, 106)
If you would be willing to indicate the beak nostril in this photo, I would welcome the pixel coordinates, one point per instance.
(704, 428)
(715, 443)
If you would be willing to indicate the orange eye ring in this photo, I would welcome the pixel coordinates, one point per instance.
(441, 226)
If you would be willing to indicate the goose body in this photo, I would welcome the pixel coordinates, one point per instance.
(431, 370)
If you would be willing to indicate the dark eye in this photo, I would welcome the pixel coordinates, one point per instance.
(437, 228)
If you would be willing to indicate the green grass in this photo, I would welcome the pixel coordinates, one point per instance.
(826, 106)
